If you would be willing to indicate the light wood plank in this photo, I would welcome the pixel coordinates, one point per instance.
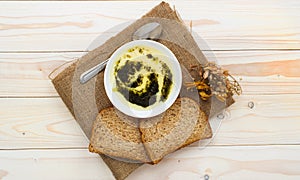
(26, 74)
(257, 162)
(64, 26)
(46, 122)
(262, 72)
(52, 164)
(274, 119)
(38, 123)
(251, 162)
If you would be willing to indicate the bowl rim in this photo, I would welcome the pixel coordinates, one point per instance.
(158, 109)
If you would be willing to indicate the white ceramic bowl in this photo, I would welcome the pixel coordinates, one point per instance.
(164, 56)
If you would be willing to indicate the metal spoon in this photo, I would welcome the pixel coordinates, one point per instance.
(148, 31)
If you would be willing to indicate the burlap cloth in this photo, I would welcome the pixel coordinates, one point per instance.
(85, 101)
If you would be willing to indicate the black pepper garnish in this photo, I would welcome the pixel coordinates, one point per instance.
(149, 56)
(141, 50)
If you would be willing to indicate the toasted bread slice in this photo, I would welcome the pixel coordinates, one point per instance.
(149, 140)
(182, 124)
(116, 134)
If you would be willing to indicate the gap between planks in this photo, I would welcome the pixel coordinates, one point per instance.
(82, 51)
(187, 147)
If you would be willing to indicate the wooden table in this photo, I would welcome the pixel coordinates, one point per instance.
(259, 42)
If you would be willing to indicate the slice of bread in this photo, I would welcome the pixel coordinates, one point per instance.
(182, 124)
(149, 140)
(116, 134)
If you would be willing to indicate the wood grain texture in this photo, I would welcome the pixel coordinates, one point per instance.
(259, 42)
(274, 119)
(46, 123)
(257, 162)
(52, 164)
(64, 26)
(266, 162)
(261, 72)
(38, 123)
(26, 74)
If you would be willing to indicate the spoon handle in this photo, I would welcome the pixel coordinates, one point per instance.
(89, 74)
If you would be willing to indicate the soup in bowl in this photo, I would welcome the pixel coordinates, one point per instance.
(142, 78)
